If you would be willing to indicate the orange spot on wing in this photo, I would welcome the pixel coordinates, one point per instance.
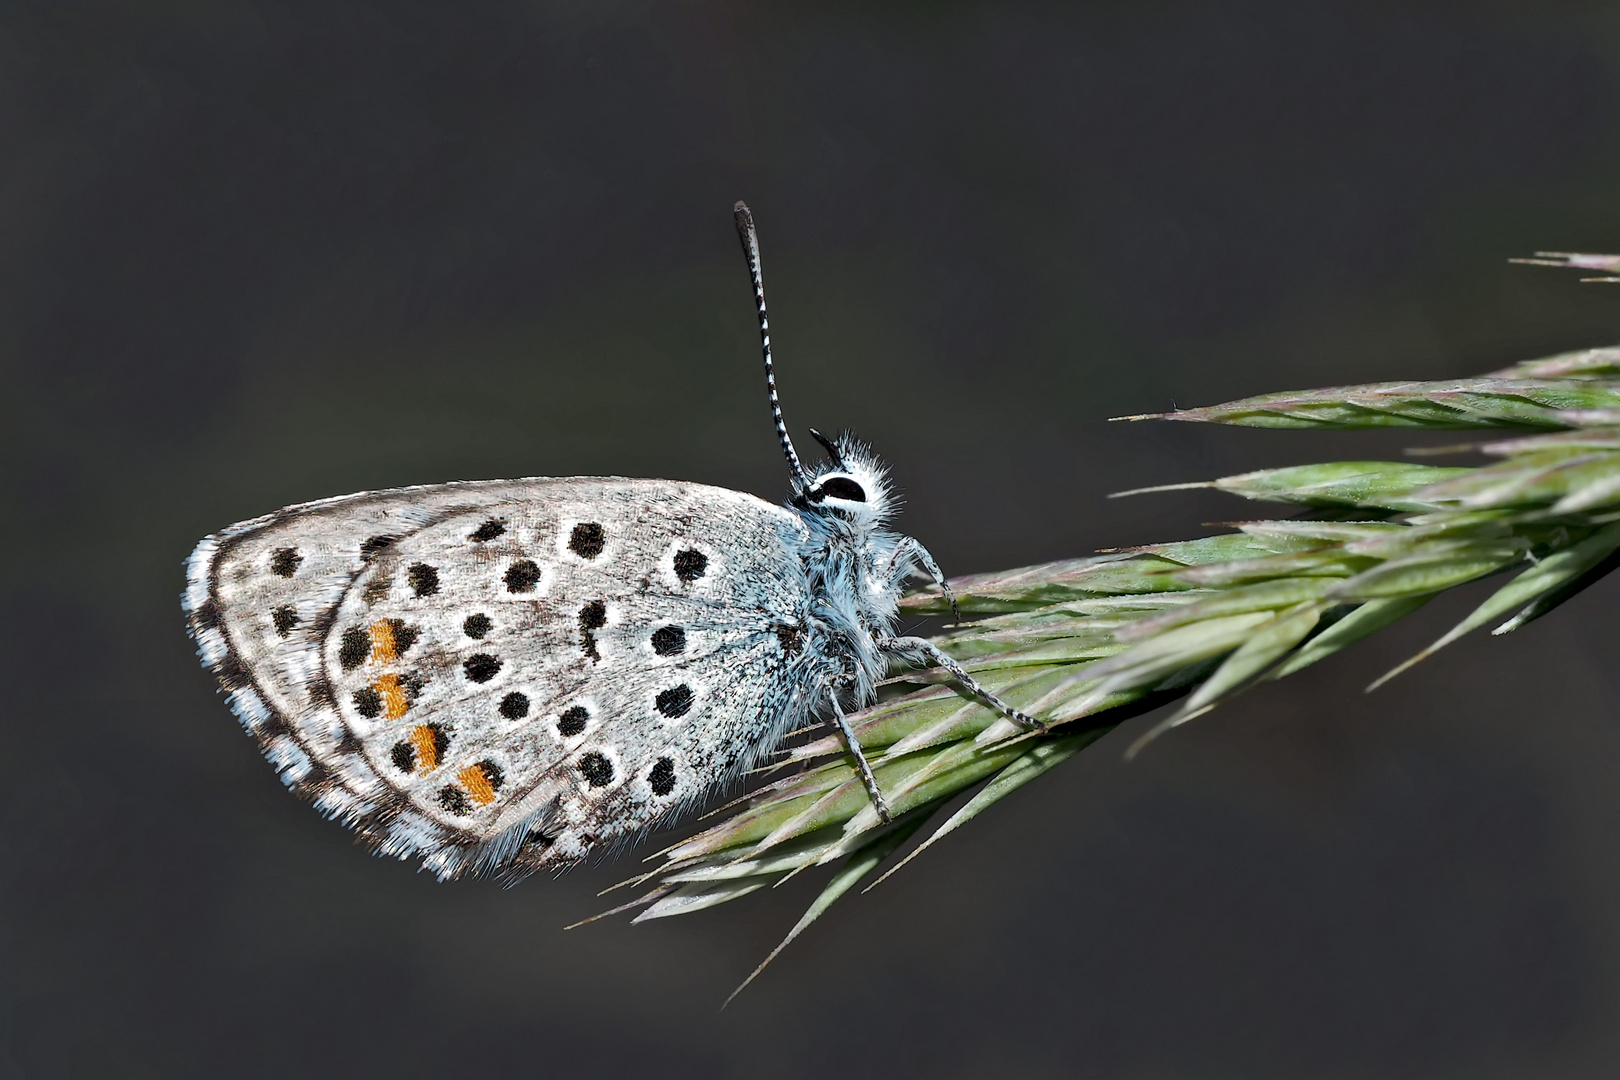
(427, 748)
(393, 696)
(384, 649)
(477, 784)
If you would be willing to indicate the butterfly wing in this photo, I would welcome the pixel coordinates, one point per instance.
(499, 676)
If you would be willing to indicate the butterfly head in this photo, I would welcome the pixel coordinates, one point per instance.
(852, 485)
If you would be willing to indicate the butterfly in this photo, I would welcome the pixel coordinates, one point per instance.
(504, 676)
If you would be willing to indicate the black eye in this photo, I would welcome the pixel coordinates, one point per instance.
(839, 487)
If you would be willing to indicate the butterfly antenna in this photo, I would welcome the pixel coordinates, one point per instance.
(750, 243)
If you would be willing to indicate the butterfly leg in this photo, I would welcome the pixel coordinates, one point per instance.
(913, 547)
(924, 653)
(861, 766)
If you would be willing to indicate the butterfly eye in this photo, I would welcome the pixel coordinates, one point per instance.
(838, 487)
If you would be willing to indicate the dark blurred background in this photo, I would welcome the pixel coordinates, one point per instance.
(256, 253)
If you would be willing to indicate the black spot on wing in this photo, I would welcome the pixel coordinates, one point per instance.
(354, 648)
(662, 777)
(454, 800)
(515, 706)
(587, 539)
(592, 617)
(572, 721)
(284, 562)
(489, 530)
(596, 769)
(675, 702)
(424, 579)
(481, 667)
(368, 703)
(404, 636)
(522, 576)
(690, 564)
(669, 640)
(284, 618)
(476, 626)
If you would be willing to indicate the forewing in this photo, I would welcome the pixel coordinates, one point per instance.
(500, 675)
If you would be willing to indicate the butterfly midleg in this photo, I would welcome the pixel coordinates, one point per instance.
(922, 652)
(861, 765)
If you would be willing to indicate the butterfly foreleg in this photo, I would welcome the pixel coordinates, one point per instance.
(924, 653)
(908, 546)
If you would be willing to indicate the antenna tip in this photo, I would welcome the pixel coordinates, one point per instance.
(745, 230)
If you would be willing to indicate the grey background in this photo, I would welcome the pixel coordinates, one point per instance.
(256, 253)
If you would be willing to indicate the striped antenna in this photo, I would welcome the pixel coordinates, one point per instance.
(750, 243)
